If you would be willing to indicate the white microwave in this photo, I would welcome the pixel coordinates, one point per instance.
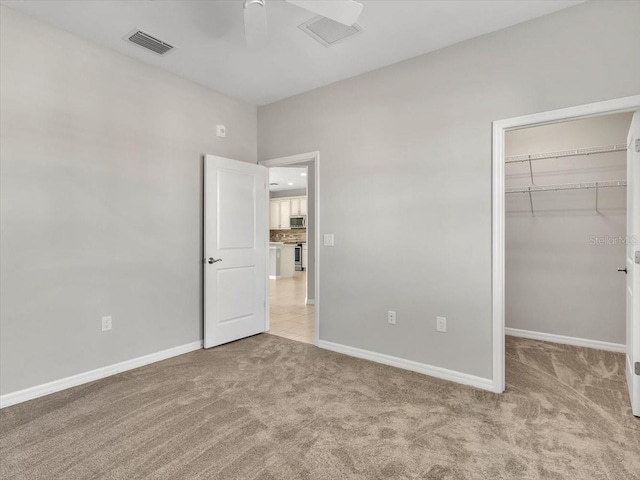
(298, 221)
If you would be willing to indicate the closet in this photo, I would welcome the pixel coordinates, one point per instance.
(579, 152)
(566, 229)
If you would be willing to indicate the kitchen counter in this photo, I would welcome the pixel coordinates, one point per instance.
(282, 259)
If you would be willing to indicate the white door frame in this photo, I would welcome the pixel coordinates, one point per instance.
(303, 158)
(618, 105)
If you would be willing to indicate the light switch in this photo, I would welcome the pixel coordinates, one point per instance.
(328, 239)
(106, 323)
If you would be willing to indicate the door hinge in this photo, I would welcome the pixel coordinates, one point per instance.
(637, 144)
(637, 368)
(637, 257)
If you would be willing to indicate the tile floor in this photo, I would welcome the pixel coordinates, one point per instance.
(290, 317)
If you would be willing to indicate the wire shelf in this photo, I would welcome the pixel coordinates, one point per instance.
(566, 186)
(619, 147)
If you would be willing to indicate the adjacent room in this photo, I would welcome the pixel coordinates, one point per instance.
(333, 239)
(291, 307)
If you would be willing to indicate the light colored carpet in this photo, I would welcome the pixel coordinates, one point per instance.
(272, 408)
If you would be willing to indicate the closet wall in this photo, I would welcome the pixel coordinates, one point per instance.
(561, 261)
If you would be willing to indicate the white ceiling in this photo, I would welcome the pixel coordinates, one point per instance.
(211, 50)
(285, 175)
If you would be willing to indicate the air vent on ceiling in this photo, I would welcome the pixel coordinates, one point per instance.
(149, 42)
(328, 32)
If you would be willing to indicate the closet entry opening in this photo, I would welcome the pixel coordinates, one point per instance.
(565, 242)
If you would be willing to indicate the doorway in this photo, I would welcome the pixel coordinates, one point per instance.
(293, 253)
(500, 130)
(565, 231)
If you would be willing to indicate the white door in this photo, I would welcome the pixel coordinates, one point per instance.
(236, 250)
(633, 263)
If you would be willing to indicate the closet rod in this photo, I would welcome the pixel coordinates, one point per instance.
(566, 186)
(619, 147)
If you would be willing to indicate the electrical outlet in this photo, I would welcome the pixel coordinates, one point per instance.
(106, 323)
(441, 324)
(391, 317)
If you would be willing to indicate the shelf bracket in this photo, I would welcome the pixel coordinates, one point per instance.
(531, 202)
(597, 212)
(531, 171)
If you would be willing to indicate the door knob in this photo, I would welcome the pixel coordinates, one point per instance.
(214, 260)
(622, 269)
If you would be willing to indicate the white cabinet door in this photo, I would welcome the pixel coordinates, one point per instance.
(280, 210)
(298, 205)
(285, 213)
(274, 215)
(236, 247)
(295, 206)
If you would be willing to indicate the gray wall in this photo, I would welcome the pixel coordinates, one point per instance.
(101, 202)
(559, 277)
(406, 173)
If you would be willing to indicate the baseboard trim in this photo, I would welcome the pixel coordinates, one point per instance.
(30, 393)
(577, 342)
(438, 372)
(309, 301)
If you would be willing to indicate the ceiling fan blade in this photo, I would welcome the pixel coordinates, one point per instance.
(255, 23)
(346, 12)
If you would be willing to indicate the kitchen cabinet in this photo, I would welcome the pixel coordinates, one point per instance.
(298, 205)
(274, 215)
(305, 257)
(282, 208)
(281, 260)
(280, 213)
